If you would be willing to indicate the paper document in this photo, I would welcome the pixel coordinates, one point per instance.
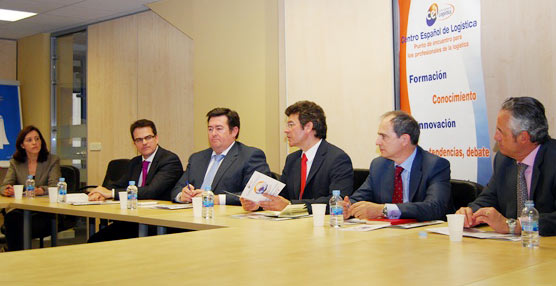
(365, 227)
(88, 203)
(393, 223)
(290, 211)
(477, 233)
(173, 207)
(259, 184)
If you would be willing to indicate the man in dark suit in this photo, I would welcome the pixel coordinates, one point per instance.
(226, 166)
(406, 181)
(155, 171)
(312, 173)
(523, 170)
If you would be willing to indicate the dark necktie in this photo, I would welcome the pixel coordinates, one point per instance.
(397, 198)
(522, 194)
(144, 173)
(303, 174)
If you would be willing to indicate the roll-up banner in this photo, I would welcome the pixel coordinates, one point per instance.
(441, 82)
(10, 119)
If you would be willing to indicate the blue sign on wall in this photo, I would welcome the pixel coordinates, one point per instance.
(10, 119)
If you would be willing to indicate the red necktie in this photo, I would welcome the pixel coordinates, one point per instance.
(144, 173)
(398, 186)
(303, 174)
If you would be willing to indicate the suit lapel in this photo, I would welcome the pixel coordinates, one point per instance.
(317, 162)
(387, 187)
(416, 174)
(153, 166)
(296, 176)
(228, 160)
(536, 171)
(40, 172)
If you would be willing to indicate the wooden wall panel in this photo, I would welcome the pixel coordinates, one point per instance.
(8, 59)
(340, 55)
(112, 93)
(165, 82)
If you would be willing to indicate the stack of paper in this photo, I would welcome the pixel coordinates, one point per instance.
(291, 211)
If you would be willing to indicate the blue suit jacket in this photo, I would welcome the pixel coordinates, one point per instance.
(429, 186)
(331, 170)
(500, 192)
(232, 175)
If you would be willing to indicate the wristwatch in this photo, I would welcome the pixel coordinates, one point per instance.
(512, 223)
(385, 212)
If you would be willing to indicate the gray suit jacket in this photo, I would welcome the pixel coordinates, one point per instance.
(232, 175)
(429, 186)
(500, 192)
(46, 175)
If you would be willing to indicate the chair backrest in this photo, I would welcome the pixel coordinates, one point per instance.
(359, 177)
(116, 169)
(3, 172)
(71, 174)
(464, 192)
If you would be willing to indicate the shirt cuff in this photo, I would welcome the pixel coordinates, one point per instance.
(393, 211)
(178, 198)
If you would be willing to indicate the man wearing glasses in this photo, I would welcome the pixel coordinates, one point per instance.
(155, 172)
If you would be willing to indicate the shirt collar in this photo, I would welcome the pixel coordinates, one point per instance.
(225, 152)
(312, 152)
(406, 165)
(151, 157)
(529, 160)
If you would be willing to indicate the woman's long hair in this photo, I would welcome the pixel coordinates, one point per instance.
(20, 155)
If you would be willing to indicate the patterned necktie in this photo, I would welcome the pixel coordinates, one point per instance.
(209, 176)
(144, 173)
(397, 198)
(522, 194)
(303, 174)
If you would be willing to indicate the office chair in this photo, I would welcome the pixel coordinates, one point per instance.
(359, 177)
(464, 192)
(116, 169)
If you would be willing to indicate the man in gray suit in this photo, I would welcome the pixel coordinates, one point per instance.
(224, 167)
(523, 170)
(406, 181)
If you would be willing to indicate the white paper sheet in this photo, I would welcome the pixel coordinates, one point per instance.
(259, 184)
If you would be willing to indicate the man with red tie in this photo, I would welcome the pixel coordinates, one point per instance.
(406, 181)
(314, 171)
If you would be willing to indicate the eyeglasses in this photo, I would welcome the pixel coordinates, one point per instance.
(147, 138)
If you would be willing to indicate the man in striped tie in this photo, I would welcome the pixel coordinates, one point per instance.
(523, 170)
(406, 181)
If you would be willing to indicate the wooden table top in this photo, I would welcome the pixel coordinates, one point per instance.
(254, 252)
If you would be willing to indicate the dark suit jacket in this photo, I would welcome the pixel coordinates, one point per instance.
(232, 175)
(165, 170)
(331, 170)
(500, 191)
(429, 186)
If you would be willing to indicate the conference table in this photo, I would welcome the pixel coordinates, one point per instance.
(228, 250)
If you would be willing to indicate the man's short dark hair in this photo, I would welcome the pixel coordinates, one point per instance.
(233, 117)
(140, 124)
(404, 123)
(309, 111)
(527, 114)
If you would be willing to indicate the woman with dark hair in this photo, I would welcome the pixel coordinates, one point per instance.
(30, 158)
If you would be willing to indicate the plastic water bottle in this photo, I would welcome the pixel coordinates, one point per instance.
(529, 225)
(132, 196)
(336, 210)
(62, 190)
(208, 203)
(30, 187)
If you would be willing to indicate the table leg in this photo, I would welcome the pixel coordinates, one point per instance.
(26, 229)
(143, 230)
(54, 230)
(91, 221)
(160, 230)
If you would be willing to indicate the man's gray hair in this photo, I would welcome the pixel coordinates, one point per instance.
(404, 123)
(527, 114)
